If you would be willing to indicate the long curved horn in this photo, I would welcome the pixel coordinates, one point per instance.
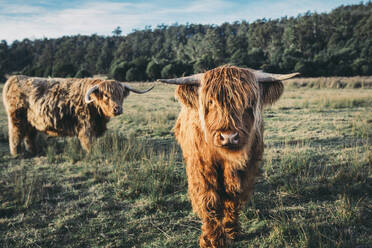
(263, 77)
(91, 89)
(135, 90)
(189, 80)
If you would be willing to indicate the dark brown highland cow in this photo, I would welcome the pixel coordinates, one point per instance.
(220, 130)
(60, 107)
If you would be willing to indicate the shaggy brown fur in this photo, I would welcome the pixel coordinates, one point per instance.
(221, 178)
(56, 106)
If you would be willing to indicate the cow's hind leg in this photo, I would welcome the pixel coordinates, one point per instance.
(30, 136)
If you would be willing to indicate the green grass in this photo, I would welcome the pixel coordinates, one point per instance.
(131, 190)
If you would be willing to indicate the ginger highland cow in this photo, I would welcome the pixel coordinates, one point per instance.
(60, 107)
(220, 131)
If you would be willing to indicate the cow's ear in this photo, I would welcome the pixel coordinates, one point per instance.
(271, 91)
(188, 95)
(96, 93)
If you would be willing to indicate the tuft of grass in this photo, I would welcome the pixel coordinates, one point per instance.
(362, 128)
(155, 179)
(294, 170)
(348, 211)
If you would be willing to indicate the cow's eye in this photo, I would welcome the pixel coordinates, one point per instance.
(249, 112)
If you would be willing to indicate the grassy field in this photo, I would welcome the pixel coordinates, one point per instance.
(315, 189)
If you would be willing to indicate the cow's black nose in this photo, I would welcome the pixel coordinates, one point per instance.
(118, 110)
(229, 138)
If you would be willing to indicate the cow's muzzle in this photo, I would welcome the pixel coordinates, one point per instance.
(118, 110)
(227, 139)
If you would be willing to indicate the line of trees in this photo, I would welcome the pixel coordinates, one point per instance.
(338, 43)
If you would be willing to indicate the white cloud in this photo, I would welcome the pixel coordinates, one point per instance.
(99, 18)
(19, 9)
(206, 6)
(27, 21)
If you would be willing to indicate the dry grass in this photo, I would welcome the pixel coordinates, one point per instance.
(131, 191)
(331, 82)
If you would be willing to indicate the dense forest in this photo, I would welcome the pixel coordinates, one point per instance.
(338, 43)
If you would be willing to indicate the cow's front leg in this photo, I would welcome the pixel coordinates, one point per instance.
(16, 131)
(207, 203)
(231, 204)
(15, 138)
(86, 139)
(230, 219)
(213, 235)
(211, 212)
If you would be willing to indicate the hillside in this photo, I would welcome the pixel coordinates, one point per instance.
(338, 43)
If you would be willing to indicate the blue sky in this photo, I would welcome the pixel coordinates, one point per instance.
(35, 19)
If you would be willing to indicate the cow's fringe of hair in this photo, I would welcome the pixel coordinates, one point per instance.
(243, 94)
(258, 119)
(202, 121)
